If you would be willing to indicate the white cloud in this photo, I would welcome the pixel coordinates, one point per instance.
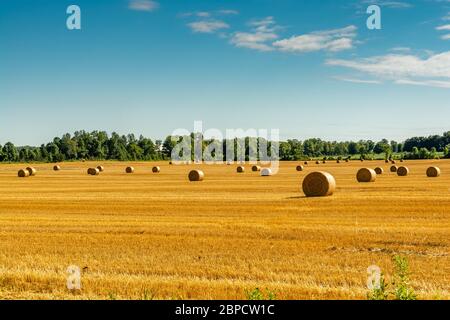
(228, 12)
(143, 5)
(388, 4)
(208, 26)
(354, 80)
(263, 31)
(427, 83)
(432, 71)
(444, 28)
(328, 40)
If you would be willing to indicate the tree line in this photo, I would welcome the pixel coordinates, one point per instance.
(99, 145)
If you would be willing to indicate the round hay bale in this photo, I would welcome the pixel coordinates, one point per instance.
(256, 168)
(324, 161)
(393, 162)
(433, 172)
(240, 169)
(93, 171)
(319, 184)
(366, 175)
(317, 162)
(300, 168)
(32, 171)
(23, 173)
(305, 163)
(338, 161)
(394, 169)
(402, 171)
(56, 168)
(129, 170)
(170, 162)
(346, 160)
(379, 170)
(196, 175)
(386, 161)
(266, 172)
(101, 168)
(156, 169)
(401, 160)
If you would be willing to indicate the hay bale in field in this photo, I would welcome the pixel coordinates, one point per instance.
(366, 175)
(101, 168)
(402, 171)
(324, 161)
(386, 161)
(129, 170)
(23, 173)
(240, 169)
(338, 161)
(393, 162)
(156, 169)
(401, 160)
(305, 163)
(346, 160)
(319, 184)
(256, 168)
(317, 162)
(170, 162)
(32, 171)
(196, 175)
(266, 172)
(433, 172)
(300, 168)
(93, 171)
(379, 170)
(56, 168)
(393, 168)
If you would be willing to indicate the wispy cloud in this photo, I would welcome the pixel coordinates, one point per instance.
(389, 4)
(403, 69)
(210, 26)
(328, 40)
(355, 80)
(444, 28)
(262, 32)
(143, 5)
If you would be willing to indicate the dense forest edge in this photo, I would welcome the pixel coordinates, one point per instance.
(99, 145)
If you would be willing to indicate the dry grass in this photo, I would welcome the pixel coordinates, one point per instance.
(160, 236)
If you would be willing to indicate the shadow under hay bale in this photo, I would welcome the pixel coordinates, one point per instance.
(196, 175)
(366, 175)
(319, 184)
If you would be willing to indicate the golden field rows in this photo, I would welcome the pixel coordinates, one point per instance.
(146, 235)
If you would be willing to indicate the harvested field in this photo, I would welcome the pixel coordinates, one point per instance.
(161, 236)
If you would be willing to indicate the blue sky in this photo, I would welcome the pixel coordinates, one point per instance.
(309, 68)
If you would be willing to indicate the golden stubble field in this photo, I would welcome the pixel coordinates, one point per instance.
(146, 235)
